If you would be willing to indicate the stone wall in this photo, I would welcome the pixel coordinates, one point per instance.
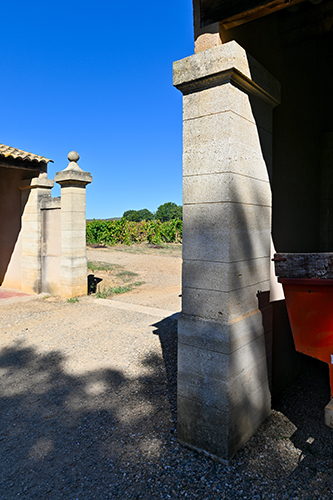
(43, 239)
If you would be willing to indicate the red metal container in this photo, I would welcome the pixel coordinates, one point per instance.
(310, 310)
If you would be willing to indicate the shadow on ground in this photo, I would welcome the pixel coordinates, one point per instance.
(102, 435)
(64, 436)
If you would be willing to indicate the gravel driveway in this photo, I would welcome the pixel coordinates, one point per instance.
(88, 410)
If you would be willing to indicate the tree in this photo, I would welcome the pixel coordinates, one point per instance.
(169, 211)
(128, 214)
(138, 215)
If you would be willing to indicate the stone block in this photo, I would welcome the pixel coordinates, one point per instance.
(30, 238)
(72, 220)
(207, 41)
(72, 239)
(266, 149)
(225, 276)
(73, 235)
(212, 61)
(225, 232)
(217, 336)
(73, 264)
(225, 158)
(220, 380)
(226, 142)
(224, 187)
(73, 290)
(73, 177)
(253, 355)
(248, 382)
(204, 428)
(223, 307)
(225, 128)
(203, 376)
(208, 363)
(329, 414)
(30, 260)
(73, 202)
(219, 99)
(246, 416)
(221, 433)
(208, 304)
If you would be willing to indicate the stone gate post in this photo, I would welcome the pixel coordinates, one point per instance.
(33, 191)
(224, 337)
(73, 261)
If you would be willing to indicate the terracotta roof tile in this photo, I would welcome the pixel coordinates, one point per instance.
(7, 151)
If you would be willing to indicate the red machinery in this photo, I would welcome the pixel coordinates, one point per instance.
(310, 309)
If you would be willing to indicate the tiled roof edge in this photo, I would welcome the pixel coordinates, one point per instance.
(18, 154)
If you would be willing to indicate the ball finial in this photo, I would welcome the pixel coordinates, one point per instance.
(73, 156)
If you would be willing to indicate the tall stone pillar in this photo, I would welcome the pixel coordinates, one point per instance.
(34, 191)
(224, 332)
(73, 261)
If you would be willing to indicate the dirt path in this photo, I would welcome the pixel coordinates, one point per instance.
(158, 269)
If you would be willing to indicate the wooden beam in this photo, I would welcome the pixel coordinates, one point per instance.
(304, 265)
(35, 166)
(231, 13)
(257, 12)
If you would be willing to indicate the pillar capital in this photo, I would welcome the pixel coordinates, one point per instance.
(73, 175)
(37, 182)
(227, 63)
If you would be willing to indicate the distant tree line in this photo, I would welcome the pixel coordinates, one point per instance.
(166, 212)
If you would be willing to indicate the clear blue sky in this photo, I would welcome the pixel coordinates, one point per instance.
(96, 77)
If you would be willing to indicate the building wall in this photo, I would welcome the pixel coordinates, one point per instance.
(10, 225)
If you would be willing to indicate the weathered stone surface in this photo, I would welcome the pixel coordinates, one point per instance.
(226, 232)
(246, 417)
(203, 428)
(221, 306)
(207, 41)
(224, 142)
(329, 414)
(304, 265)
(73, 176)
(220, 380)
(222, 337)
(225, 276)
(225, 186)
(223, 98)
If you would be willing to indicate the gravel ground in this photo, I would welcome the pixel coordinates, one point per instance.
(88, 411)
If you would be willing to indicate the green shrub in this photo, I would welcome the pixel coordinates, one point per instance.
(128, 232)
